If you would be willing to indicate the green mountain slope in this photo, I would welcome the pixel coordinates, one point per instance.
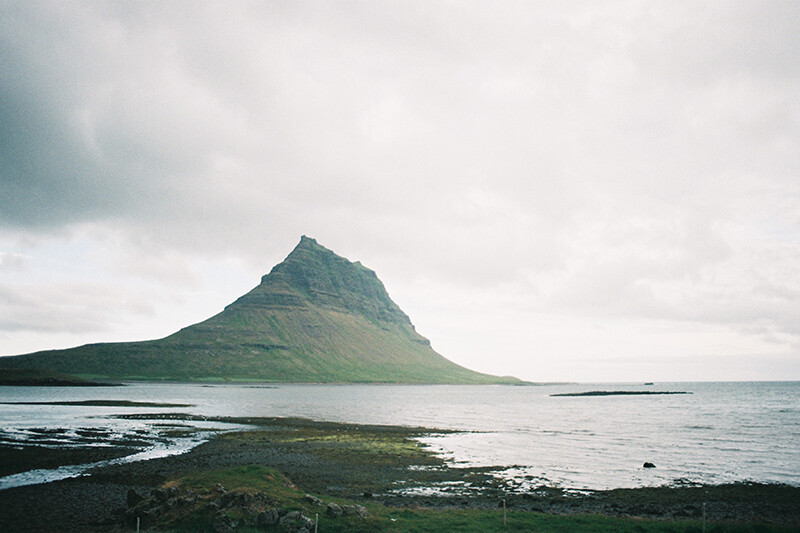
(316, 317)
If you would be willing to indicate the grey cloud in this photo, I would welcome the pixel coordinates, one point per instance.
(10, 261)
(302, 99)
(701, 41)
(597, 157)
(73, 308)
(50, 175)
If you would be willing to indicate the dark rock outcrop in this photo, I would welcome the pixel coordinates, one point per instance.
(230, 509)
(134, 497)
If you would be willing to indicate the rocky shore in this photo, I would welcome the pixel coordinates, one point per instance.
(352, 465)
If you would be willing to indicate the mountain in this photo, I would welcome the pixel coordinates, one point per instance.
(315, 318)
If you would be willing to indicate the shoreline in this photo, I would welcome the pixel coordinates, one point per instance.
(368, 465)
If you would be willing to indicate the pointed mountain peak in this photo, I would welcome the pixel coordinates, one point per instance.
(314, 275)
(311, 256)
(307, 247)
(306, 240)
(316, 317)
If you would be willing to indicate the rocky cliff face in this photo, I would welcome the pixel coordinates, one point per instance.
(316, 317)
(313, 275)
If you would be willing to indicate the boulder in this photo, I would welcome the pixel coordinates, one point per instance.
(133, 497)
(236, 499)
(267, 518)
(142, 515)
(359, 510)
(162, 495)
(334, 510)
(313, 500)
(187, 500)
(223, 524)
(295, 522)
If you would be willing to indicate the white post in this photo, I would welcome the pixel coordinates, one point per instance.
(316, 521)
(704, 517)
(137, 524)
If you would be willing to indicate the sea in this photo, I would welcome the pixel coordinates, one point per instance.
(715, 433)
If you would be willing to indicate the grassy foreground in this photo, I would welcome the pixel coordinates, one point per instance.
(248, 483)
(345, 477)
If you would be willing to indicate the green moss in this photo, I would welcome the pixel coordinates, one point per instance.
(241, 478)
(283, 494)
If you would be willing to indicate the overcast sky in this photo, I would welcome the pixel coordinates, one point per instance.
(570, 191)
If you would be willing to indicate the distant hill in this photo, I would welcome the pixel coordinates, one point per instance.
(315, 318)
(43, 378)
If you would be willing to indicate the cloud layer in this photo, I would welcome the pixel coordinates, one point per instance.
(597, 166)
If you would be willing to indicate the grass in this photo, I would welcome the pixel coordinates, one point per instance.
(468, 520)
(284, 495)
(355, 447)
(242, 479)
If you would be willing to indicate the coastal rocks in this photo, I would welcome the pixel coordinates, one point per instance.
(147, 509)
(164, 495)
(242, 500)
(313, 500)
(648, 465)
(270, 517)
(358, 510)
(228, 511)
(133, 497)
(223, 524)
(171, 501)
(334, 510)
(296, 522)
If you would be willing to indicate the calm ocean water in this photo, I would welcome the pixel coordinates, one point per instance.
(721, 432)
